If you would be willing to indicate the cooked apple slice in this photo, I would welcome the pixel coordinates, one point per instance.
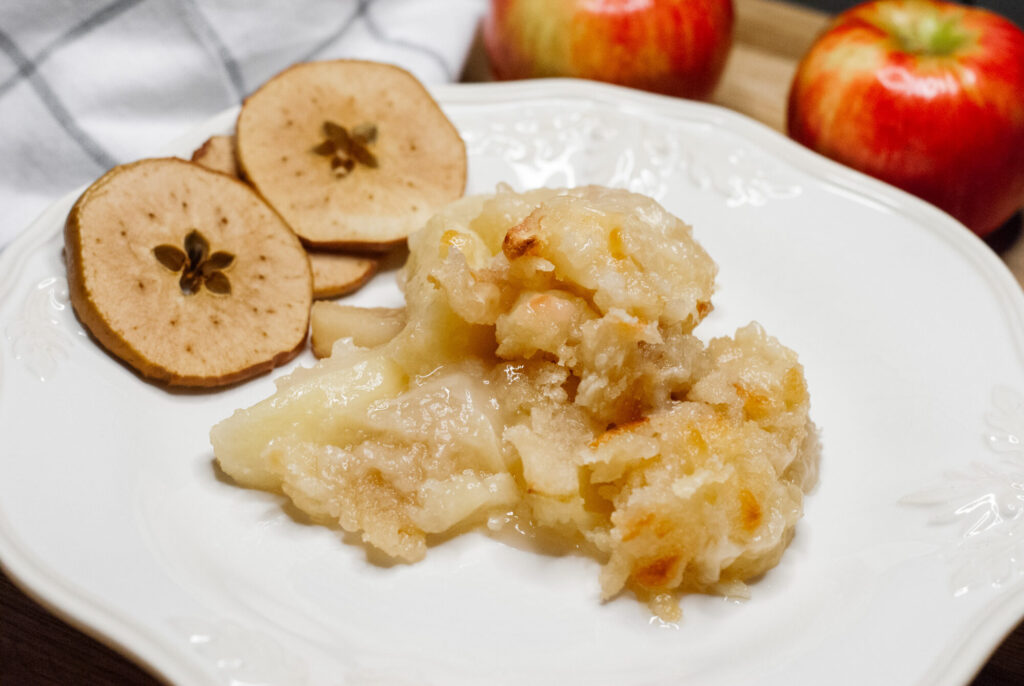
(352, 154)
(186, 274)
(218, 154)
(368, 327)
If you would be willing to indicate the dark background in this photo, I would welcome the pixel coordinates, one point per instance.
(1013, 9)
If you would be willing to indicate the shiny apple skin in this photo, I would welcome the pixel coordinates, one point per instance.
(675, 47)
(948, 128)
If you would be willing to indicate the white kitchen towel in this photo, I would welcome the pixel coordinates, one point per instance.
(87, 84)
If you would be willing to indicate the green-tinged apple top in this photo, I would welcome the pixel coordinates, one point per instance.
(924, 28)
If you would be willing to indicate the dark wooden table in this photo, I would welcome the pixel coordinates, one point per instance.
(37, 649)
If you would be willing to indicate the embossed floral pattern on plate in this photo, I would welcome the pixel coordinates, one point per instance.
(985, 503)
(552, 147)
(39, 337)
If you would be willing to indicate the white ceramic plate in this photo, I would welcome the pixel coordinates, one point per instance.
(905, 570)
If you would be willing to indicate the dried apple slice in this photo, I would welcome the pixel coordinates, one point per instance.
(354, 155)
(337, 274)
(218, 154)
(334, 274)
(186, 274)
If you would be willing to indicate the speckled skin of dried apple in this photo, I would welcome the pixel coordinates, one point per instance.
(186, 274)
(353, 154)
(334, 273)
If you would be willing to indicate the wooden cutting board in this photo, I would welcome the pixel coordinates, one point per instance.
(769, 40)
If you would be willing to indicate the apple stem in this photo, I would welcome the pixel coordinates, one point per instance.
(927, 35)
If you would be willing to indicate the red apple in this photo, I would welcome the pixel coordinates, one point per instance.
(923, 94)
(676, 47)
